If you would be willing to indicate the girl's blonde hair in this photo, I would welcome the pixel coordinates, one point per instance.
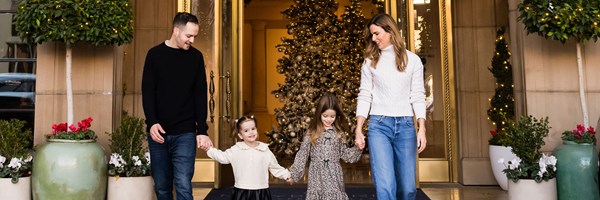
(237, 124)
(386, 22)
(316, 128)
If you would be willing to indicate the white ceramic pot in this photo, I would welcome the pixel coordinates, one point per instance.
(125, 188)
(528, 189)
(19, 191)
(496, 153)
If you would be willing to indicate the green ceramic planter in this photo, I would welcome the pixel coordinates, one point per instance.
(577, 171)
(69, 170)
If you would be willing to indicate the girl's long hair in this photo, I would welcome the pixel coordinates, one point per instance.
(373, 52)
(316, 128)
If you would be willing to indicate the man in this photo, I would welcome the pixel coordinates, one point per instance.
(175, 105)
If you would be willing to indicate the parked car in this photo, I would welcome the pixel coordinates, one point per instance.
(17, 97)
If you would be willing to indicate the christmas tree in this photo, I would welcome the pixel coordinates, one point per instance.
(502, 103)
(348, 75)
(323, 56)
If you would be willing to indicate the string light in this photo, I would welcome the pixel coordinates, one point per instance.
(501, 104)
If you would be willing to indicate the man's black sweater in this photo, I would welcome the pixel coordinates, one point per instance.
(174, 90)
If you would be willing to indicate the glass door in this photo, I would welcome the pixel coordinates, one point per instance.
(426, 25)
(218, 39)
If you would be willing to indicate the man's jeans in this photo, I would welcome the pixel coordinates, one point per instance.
(172, 162)
(393, 150)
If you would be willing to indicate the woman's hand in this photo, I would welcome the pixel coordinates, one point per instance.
(359, 139)
(421, 138)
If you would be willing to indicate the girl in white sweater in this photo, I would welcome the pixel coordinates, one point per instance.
(392, 95)
(251, 161)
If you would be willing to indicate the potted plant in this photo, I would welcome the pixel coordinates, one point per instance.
(70, 165)
(15, 160)
(499, 149)
(577, 174)
(72, 22)
(129, 165)
(532, 173)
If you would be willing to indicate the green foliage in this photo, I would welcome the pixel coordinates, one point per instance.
(130, 156)
(561, 19)
(527, 140)
(14, 140)
(502, 106)
(499, 138)
(78, 135)
(15, 160)
(98, 22)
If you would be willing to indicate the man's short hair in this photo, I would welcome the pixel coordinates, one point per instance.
(182, 18)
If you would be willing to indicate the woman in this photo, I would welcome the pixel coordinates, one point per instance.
(392, 94)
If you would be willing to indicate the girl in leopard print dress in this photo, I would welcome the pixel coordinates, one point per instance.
(324, 144)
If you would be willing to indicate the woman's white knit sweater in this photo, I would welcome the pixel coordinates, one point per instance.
(384, 90)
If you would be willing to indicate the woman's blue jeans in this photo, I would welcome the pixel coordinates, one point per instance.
(172, 163)
(393, 155)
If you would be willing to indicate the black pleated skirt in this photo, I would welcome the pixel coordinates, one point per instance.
(243, 194)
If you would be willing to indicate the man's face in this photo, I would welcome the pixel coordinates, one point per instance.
(185, 35)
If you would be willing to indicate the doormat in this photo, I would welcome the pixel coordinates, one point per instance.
(366, 192)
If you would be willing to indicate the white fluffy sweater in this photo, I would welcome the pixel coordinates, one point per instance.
(386, 91)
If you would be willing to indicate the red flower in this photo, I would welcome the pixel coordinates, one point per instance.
(61, 127)
(72, 128)
(591, 130)
(493, 132)
(580, 129)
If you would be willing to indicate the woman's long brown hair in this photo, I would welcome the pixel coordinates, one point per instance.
(373, 52)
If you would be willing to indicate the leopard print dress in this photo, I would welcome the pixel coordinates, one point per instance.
(325, 178)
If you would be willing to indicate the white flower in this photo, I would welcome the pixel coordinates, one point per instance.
(28, 159)
(138, 163)
(551, 160)
(501, 160)
(147, 156)
(15, 163)
(542, 164)
(135, 158)
(2, 160)
(514, 163)
(116, 160)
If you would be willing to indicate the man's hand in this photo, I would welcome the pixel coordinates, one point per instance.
(155, 133)
(203, 142)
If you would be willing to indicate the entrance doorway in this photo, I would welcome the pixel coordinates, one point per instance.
(239, 42)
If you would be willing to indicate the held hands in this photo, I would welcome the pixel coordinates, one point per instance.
(203, 142)
(290, 181)
(359, 139)
(155, 133)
